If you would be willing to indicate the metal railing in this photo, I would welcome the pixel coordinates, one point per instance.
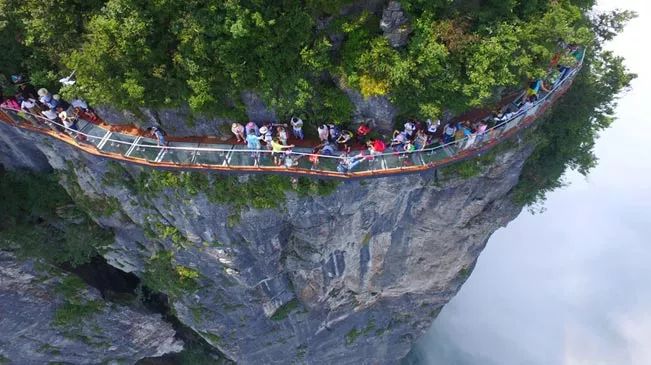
(142, 150)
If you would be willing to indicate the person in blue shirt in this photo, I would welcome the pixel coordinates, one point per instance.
(535, 87)
(159, 134)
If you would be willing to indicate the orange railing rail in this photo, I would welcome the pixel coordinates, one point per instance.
(99, 140)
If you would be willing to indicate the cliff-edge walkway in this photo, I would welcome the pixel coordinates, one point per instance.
(132, 146)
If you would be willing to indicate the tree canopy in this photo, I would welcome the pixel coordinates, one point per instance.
(296, 54)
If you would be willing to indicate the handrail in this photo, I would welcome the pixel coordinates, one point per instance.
(150, 154)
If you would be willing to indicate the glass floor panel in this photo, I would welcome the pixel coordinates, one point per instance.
(328, 164)
(303, 161)
(147, 149)
(266, 159)
(95, 133)
(118, 143)
(241, 157)
(212, 157)
(185, 156)
(434, 155)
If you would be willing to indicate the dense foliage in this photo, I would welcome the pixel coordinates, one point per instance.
(132, 53)
(566, 139)
(299, 54)
(163, 275)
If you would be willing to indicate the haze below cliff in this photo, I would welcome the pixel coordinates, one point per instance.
(566, 286)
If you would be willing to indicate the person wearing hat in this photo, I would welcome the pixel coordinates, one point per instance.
(53, 120)
(398, 140)
(159, 134)
(265, 133)
(69, 122)
(252, 127)
(46, 99)
(238, 131)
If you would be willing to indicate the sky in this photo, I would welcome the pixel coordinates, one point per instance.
(572, 285)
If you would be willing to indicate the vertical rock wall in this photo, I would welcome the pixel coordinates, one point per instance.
(33, 328)
(349, 278)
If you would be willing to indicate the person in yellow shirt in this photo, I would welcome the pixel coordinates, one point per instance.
(277, 150)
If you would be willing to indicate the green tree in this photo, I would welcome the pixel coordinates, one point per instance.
(566, 139)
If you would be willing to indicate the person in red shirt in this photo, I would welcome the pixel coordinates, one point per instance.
(314, 158)
(376, 146)
(362, 131)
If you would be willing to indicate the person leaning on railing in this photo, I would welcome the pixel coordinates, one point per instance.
(253, 141)
(68, 121)
(277, 148)
(159, 134)
(348, 163)
(421, 140)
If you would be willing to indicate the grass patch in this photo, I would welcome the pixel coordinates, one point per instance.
(354, 333)
(367, 239)
(163, 275)
(170, 232)
(211, 337)
(464, 273)
(282, 312)
(76, 309)
(469, 168)
(39, 219)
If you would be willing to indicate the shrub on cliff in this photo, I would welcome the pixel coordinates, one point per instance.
(39, 219)
(168, 53)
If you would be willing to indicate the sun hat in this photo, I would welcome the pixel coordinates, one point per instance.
(263, 130)
(42, 92)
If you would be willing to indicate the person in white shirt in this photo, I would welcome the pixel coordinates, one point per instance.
(410, 128)
(297, 127)
(323, 133)
(432, 127)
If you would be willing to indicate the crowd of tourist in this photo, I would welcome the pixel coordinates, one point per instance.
(54, 111)
(272, 140)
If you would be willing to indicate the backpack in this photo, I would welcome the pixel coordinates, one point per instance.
(161, 131)
(334, 131)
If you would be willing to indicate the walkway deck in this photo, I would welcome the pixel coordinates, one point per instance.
(130, 146)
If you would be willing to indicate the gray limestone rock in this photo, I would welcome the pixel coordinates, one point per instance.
(376, 110)
(395, 25)
(354, 277)
(256, 109)
(31, 331)
(181, 122)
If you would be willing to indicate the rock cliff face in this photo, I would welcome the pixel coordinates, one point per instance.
(34, 328)
(353, 277)
(395, 25)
